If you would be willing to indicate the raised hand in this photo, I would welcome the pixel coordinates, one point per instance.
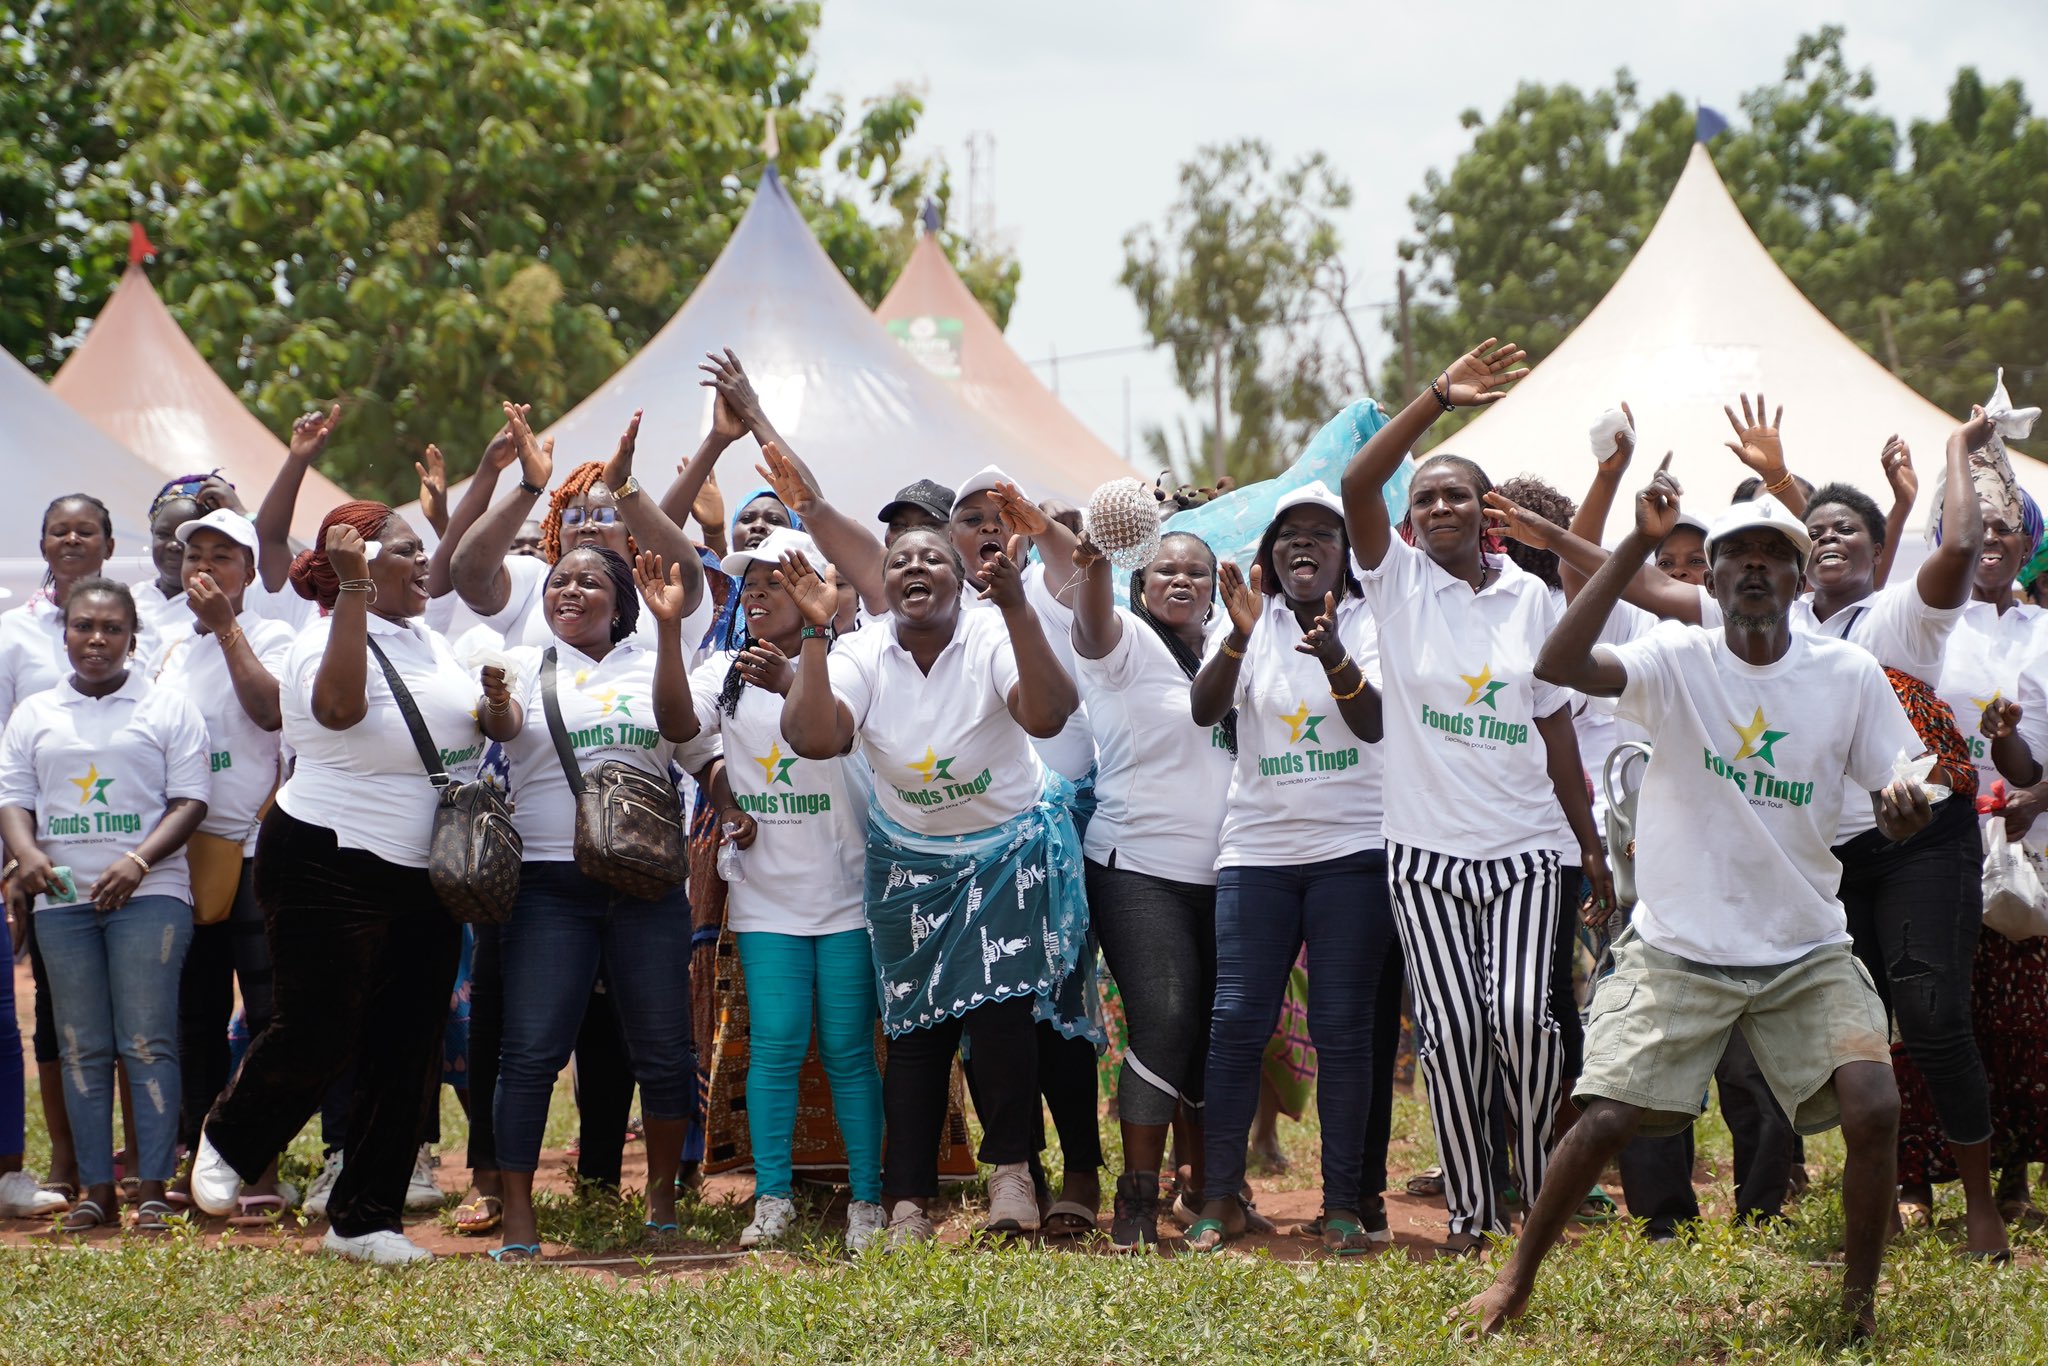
(764, 666)
(816, 598)
(310, 433)
(738, 408)
(1087, 555)
(1516, 522)
(347, 552)
(663, 593)
(1002, 578)
(1897, 460)
(1020, 516)
(1657, 504)
(217, 492)
(536, 459)
(213, 608)
(433, 473)
(1321, 639)
(501, 451)
(791, 489)
(2000, 719)
(1616, 460)
(1243, 601)
(709, 509)
(1978, 431)
(1756, 442)
(1474, 379)
(497, 696)
(619, 468)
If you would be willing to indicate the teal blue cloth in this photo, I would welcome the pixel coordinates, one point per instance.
(958, 921)
(1233, 523)
(793, 981)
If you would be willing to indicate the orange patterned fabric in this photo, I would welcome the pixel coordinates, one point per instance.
(1937, 729)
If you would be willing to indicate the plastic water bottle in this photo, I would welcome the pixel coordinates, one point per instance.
(732, 865)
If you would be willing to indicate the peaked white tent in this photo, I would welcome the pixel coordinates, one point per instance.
(48, 451)
(864, 415)
(1701, 316)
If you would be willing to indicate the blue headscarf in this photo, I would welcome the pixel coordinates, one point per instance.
(729, 629)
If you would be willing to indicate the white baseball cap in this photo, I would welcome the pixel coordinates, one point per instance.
(772, 548)
(1314, 492)
(981, 481)
(232, 525)
(1767, 513)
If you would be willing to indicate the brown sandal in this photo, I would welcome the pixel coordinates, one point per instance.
(479, 1216)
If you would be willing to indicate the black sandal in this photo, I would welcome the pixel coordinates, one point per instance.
(83, 1217)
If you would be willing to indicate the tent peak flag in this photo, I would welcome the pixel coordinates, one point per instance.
(140, 248)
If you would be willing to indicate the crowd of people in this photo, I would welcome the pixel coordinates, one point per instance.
(940, 777)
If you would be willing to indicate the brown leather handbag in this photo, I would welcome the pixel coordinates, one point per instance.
(629, 822)
(474, 852)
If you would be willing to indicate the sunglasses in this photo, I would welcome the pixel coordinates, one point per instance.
(595, 516)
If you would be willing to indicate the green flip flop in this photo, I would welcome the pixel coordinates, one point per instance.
(1201, 1229)
(1345, 1230)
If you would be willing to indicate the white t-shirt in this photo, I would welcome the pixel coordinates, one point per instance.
(1992, 657)
(366, 783)
(157, 610)
(1071, 753)
(241, 754)
(947, 757)
(1739, 805)
(32, 657)
(1304, 787)
(806, 870)
(284, 605)
(98, 773)
(1462, 700)
(1600, 731)
(1160, 780)
(523, 620)
(608, 712)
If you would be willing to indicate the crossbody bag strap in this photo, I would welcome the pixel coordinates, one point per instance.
(552, 706)
(430, 757)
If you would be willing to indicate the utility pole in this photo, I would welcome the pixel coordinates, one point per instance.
(1222, 460)
(1407, 337)
(1891, 343)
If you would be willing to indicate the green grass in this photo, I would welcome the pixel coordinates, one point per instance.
(1728, 1295)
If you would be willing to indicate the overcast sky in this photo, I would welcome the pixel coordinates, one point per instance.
(1092, 107)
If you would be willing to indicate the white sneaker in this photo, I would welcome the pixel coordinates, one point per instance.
(22, 1197)
(1012, 1200)
(865, 1225)
(214, 1183)
(909, 1225)
(382, 1248)
(421, 1193)
(772, 1217)
(322, 1188)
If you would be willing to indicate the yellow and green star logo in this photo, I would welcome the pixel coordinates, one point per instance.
(1484, 688)
(92, 787)
(931, 768)
(775, 766)
(1757, 738)
(1980, 703)
(612, 700)
(1300, 723)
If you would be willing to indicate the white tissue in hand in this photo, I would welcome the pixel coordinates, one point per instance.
(1908, 769)
(1612, 423)
(478, 656)
(372, 549)
(2013, 424)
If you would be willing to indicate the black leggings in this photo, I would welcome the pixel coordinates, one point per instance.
(1159, 939)
(918, 1080)
(1914, 912)
(221, 953)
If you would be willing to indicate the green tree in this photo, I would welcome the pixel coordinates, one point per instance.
(423, 207)
(1924, 248)
(1235, 283)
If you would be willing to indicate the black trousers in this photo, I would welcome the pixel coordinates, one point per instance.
(1656, 1173)
(238, 947)
(1004, 1043)
(364, 958)
(486, 1027)
(604, 1095)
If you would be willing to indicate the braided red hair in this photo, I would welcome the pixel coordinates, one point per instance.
(311, 574)
(580, 481)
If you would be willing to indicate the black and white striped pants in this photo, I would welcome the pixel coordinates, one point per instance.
(1478, 935)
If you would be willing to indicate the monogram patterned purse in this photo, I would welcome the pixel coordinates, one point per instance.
(629, 823)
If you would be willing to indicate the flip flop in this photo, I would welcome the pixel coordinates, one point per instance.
(1430, 1181)
(253, 1207)
(1597, 1208)
(1352, 1239)
(152, 1216)
(659, 1229)
(515, 1253)
(1198, 1233)
(480, 1216)
(1068, 1219)
(94, 1214)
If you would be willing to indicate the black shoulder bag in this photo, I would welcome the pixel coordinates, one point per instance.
(473, 854)
(629, 823)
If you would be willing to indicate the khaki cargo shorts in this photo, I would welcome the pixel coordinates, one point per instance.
(1659, 1023)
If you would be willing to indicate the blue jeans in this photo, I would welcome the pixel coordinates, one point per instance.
(564, 927)
(114, 977)
(792, 979)
(1340, 908)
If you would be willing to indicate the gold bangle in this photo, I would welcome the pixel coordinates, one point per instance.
(1338, 668)
(140, 861)
(227, 641)
(1782, 484)
(1234, 654)
(1347, 696)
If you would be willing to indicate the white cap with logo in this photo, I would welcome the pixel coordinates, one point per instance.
(232, 525)
(1767, 513)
